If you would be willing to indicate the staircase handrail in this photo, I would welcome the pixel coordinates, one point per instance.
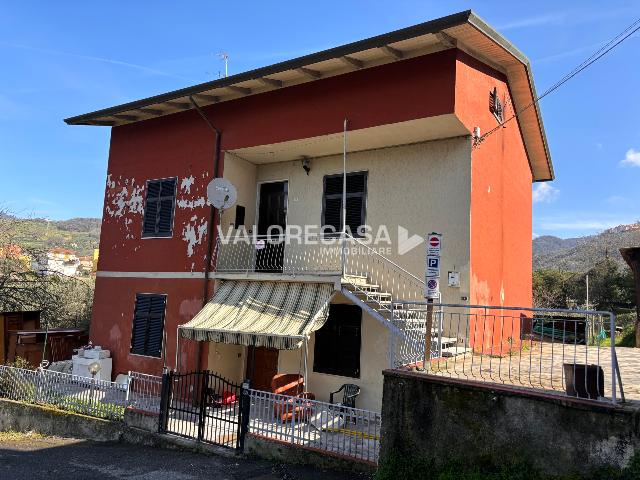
(395, 265)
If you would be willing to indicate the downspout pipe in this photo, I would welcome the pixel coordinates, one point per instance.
(213, 215)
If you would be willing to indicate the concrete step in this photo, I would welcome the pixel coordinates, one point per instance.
(375, 295)
(355, 279)
(366, 287)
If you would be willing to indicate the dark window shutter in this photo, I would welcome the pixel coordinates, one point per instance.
(355, 204)
(355, 214)
(159, 208)
(148, 325)
(333, 213)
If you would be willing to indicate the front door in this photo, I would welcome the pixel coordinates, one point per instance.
(262, 365)
(272, 212)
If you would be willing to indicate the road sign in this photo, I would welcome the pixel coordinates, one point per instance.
(434, 243)
(432, 271)
(432, 288)
(433, 266)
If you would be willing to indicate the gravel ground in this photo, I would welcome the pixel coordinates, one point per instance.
(34, 457)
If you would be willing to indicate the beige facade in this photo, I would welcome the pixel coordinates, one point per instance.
(424, 187)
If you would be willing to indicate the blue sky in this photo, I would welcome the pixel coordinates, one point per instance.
(61, 59)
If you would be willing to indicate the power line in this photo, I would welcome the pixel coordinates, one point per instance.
(606, 48)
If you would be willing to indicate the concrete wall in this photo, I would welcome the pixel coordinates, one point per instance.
(432, 423)
(228, 361)
(242, 174)
(138, 428)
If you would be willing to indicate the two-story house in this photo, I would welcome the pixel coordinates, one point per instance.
(404, 116)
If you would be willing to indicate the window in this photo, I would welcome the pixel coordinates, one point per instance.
(148, 324)
(337, 343)
(356, 201)
(159, 207)
(495, 105)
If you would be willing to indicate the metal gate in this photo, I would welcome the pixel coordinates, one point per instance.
(204, 406)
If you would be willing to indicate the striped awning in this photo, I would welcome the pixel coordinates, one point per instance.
(263, 314)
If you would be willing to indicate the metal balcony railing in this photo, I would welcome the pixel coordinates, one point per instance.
(286, 254)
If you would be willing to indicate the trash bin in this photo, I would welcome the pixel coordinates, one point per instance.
(584, 381)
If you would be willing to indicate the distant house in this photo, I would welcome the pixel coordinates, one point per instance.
(60, 261)
(412, 103)
(85, 266)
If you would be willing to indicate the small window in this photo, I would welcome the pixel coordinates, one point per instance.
(159, 208)
(148, 324)
(495, 105)
(337, 343)
(355, 205)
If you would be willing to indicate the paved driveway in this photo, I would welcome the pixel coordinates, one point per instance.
(24, 457)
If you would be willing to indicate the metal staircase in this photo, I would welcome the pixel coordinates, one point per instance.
(382, 288)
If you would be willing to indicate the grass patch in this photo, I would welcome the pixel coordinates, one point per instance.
(13, 436)
(626, 338)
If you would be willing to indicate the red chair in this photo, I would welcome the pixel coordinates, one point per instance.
(291, 385)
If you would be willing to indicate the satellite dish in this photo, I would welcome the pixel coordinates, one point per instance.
(221, 193)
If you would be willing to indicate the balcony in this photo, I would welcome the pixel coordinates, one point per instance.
(289, 255)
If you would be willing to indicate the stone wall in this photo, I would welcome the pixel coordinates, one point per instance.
(433, 423)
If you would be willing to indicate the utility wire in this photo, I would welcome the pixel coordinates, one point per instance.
(606, 48)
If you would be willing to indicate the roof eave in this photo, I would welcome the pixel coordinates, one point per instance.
(481, 25)
(299, 62)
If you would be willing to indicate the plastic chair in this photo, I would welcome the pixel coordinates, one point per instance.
(350, 392)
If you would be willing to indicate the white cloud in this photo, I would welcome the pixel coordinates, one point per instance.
(111, 61)
(632, 158)
(543, 192)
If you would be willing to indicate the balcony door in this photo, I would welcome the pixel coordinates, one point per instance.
(272, 211)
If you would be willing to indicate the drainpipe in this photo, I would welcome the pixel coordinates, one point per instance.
(213, 215)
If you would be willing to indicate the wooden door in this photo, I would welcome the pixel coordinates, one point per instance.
(262, 365)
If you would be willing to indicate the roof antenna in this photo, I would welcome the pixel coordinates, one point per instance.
(225, 56)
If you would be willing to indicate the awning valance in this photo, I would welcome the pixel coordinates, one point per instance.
(263, 314)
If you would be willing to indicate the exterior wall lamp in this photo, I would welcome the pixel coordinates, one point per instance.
(306, 164)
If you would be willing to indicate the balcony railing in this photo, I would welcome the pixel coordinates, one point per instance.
(286, 254)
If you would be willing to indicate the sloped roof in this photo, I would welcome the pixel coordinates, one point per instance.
(464, 30)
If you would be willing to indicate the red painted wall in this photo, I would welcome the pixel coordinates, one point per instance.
(501, 248)
(113, 314)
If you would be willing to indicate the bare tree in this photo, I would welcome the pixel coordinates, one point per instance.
(64, 301)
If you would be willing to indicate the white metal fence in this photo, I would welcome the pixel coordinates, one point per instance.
(144, 392)
(321, 426)
(88, 396)
(98, 398)
(570, 352)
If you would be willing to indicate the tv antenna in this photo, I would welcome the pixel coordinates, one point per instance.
(225, 57)
(221, 193)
